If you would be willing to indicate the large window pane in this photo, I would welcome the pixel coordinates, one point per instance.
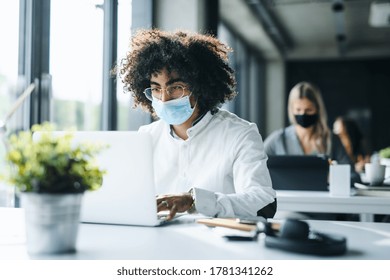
(124, 33)
(128, 117)
(76, 61)
(9, 32)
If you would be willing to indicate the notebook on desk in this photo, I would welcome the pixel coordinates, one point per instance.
(127, 195)
(293, 172)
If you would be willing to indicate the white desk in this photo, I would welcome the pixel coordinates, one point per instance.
(186, 240)
(315, 201)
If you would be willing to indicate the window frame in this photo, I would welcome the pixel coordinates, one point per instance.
(34, 58)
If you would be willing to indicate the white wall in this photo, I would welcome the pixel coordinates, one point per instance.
(171, 15)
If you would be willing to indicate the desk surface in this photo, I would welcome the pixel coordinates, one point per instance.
(186, 240)
(319, 201)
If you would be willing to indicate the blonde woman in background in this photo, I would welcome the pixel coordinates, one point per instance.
(308, 133)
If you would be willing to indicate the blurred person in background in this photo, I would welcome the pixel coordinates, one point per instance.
(353, 141)
(309, 134)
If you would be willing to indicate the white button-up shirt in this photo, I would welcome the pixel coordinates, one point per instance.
(223, 160)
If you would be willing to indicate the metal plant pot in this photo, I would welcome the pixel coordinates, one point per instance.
(52, 222)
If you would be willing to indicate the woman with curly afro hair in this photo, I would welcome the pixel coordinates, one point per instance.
(206, 159)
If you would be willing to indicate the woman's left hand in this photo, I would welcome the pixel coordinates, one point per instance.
(175, 203)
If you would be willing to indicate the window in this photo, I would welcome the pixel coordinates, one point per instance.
(62, 47)
(76, 63)
(67, 48)
(249, 69)
(9, 30)
(131, 15)
(81, 92)
(124, 33)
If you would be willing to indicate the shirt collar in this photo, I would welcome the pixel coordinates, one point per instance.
(196, 127)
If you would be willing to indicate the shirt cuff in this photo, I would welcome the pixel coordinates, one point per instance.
(205, 202)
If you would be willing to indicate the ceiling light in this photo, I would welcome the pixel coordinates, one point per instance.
(380, 14)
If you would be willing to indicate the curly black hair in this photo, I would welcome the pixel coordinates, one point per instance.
(200, 60)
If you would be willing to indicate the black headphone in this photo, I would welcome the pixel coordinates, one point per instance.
(295, 236)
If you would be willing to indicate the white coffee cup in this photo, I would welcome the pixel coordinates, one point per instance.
(375, 173)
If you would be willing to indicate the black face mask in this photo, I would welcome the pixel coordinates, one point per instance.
(306, 120)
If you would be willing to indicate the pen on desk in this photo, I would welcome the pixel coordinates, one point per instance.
(262, 225)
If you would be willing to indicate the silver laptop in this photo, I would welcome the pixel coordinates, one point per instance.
(127, 195)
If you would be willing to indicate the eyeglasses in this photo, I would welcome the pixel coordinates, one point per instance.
(173, 91)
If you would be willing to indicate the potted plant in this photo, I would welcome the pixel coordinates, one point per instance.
(384, 155)
(51, 174)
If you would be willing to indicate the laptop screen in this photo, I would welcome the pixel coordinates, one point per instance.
(128, 194)
(293, 172)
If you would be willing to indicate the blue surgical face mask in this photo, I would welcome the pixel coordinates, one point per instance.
(175, 111)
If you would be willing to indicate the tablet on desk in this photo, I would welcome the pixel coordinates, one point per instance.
(294, 172)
